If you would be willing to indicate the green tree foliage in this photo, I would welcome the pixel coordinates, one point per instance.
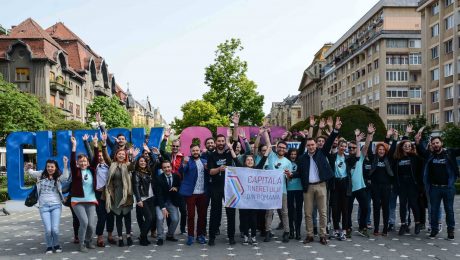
(200, 113)
(299, 126)
(451, 136)
(70, 125)
(327, 113)
(230, 89)
(113, 114)
(20, 111)
(358, 116)
(418, 122)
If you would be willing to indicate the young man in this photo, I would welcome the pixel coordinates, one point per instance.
(217, 162)
(439, 175)
(194, 189)
(315, 171)
(210, 145)
(168, 202)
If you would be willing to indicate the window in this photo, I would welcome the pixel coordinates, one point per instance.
(449, 116)
(376, 95)
(435, 8)
(377, 47)
(369, 67)
(396, 43)
(415, 109)
(396, 124)
(71, 107)
(85, 93)
(435, 30)
(376, 64)
(299, 114)
(369, 82)
(77, 90)
(435, 52)
(52, 100)
(370, 97)
(52, 76)
(77, 110)
(448, 2)
(434, 119)
(415, 92)
(398, 109)
(449, 22)
(364, 100)
(449, 91)
(397, 59)
(435, 96)
(413, 43)
(415, 58)
(435, 74)
(60, 80)
(397, 93)
(369, 51)
(376, 79)
(22, 74)
(448, 70)
(396, 75)
(448, 46)
(61, 103)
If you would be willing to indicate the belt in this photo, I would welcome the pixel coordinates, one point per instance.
(441, 186)
(315, 183)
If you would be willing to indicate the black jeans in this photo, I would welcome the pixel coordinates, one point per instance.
(101, 213)
(340, 203)
(75, 223)
(119, 222)
(361, 196)
(408, 194)
(295, 208)
(146, 216)
(381, 201)
(248, 219)
(110, 222)
(217, 196)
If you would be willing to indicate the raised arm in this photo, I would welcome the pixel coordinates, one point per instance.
(88, 146)
(105, 153)
(330, 140)
(236, 121)
(73, 155)
(28, 170)
(321, 126)
(257, 142)
(369, 137)
(359, 136)
(65, 171)
(94, 160)
(393, 144)
(311, 129)
(421, 150)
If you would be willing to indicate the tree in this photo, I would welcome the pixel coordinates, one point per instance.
(418, 122)
(299, 126)
(327, 113)
(358, 116)
(20, 111)
(70, 125)
(113, 114)
(200, 113)
(451, 135)
(230, 89)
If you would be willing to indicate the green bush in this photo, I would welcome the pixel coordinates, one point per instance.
(299, 126)
(358, 116)
(4, 195)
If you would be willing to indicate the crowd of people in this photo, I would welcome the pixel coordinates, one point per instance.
(323, 177)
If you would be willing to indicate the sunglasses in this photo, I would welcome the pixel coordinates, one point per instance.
(352, 147)
(175, 146)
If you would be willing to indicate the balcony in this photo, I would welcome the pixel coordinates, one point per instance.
(61, 86)
(101, 91)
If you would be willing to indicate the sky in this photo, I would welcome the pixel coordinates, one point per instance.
(163, 47)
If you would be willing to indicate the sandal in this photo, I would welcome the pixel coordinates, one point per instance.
(111, 241)
(76, 240)
(100, 243)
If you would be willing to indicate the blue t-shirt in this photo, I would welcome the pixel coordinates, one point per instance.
(88, 189)
(340, 167)
(295, 183)
(276, 163)
(357, 179)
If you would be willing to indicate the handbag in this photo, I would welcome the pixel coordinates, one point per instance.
(32, 198)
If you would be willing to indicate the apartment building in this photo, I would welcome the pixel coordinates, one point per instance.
(441, 69)
(311, 84)
(286, 113)
(378, 63)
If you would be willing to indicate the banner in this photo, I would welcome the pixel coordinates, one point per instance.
(247, 188)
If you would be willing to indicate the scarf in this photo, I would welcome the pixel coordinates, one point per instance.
(127, 187)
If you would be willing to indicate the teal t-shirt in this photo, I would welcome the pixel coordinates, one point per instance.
(88, 189)
(340, 167)
(275, 163)
(295, 183)
(357, 179)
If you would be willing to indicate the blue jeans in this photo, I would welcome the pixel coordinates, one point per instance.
(446, 194)
(393, 198)
(429, 210)
(51, 217)
(173, 215)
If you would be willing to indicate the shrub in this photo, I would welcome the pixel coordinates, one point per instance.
(358, 116)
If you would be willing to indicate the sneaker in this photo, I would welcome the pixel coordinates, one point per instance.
(189, 240)
(285, 237)
(342, 236)
(440, 228)
(369, 227)
(254, 240)
(291, 234)
(160, 242)
(450, 235)
(245, 240)
(83, 248)
(202, 240)
(363, 232)
(323, 240)
(49, 250)
(417, 229)
(433, 233)
(211, 242)
(129, 241)
(402, 229)
(337, 235)
(348, 234)
(89, 245)
(391, 227)
(58, 249)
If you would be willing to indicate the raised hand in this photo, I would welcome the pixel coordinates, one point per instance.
(229, 133)
(155, 150)
(95, 139)
(146, 148)
(186, 159)
(322, 123)
(73, 141)
(85, 137)
(242, 134)
(409, 129)
(98, 117)
(167, 132)
(236, 118)
(330, 122)
(65, 160)
(396, 134)
(261, 130)
(302, 133)
(357, 132)
(28, 166)
(284, 135)
(312, 120)
(370, 129)
(135, 152)
(338, 123)
(390, 132)
(104, 138)
(360, 137)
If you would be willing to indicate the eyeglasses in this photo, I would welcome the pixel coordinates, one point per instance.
(175, 146)
(282, 147)
(352, 147)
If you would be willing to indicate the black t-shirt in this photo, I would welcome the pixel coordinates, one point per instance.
(404, 168)
(216, 160)
(367, 165)
(380, 175)
(438, 170)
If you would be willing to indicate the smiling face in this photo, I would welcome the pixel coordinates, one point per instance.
(142, 163)
(311, 146)
(121, 140)
(436, 145)
(83, 162)
(342, 147)
(166, 167)
(220, 143)
(320, 142)
(381, 151)
(352, 148)
(175, 145)
(121, 156)
(281, 149)
(238, 148)
(210, 145)
(195, 151)
(50, 168)
(249, 162)
(293, 156)
(406, 146)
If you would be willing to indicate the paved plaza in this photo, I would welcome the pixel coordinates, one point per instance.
(21, 237)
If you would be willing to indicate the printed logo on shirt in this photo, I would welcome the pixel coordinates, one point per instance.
(404, 162)
(439, 161)
(221, 162)
(367, 166)
(381, 164)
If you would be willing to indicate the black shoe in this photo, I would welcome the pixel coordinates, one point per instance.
(291, 235)
(285, 237)
(417, 229)
(173, 239)
(182, 231)
(143, 241)
(402, 230)
(267, 236)
(121, 243)
(211, 242)
(391, 227)
(450, 235)
(129, 241)
(160, 242)
(433, 233)
(231, 240)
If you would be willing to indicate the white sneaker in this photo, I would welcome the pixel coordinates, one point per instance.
(245, 240)
(253, 240)
(439, 227)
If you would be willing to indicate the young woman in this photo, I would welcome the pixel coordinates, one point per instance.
(83, 197)
(50, 200)
(294, 197)
(249, 216)
(119, 190)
